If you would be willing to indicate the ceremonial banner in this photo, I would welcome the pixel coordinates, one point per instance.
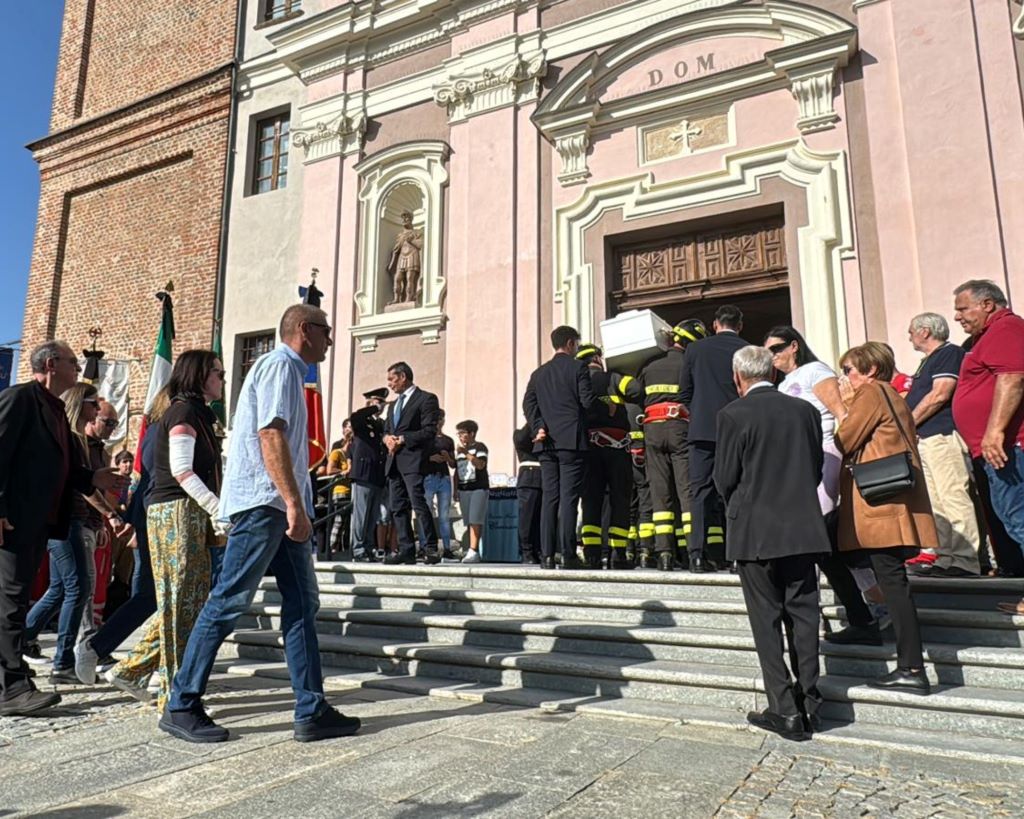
(160, 370)
(314, 400)
(6, 365)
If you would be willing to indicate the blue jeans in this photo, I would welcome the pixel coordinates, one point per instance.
(137, 608)
(436, 486)
(257, 542)
(67, 593)
(1006, 491)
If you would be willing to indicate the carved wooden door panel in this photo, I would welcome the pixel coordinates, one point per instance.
(709, 264)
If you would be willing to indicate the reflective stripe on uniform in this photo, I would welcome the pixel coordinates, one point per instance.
(592, 541)
(637, 434)
(618, 531)
(664, 529)
(624, 382)
(671, 389)
(716, 534)
(590, 529)
(617, 541)
(664, 516)
(646, 529)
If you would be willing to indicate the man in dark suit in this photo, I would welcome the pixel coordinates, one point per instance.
(39, 467)
(557, 398)
(768, 468)
(706, 387)
(366, 472)
(408, 433)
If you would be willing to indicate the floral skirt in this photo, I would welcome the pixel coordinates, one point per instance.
(179, 538)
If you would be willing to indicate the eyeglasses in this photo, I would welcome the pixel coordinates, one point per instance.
(110, 423)
(775, 349)
(219, 373)
(326, 327)
(847, 369)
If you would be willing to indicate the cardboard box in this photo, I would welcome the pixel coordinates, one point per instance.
(633, 338)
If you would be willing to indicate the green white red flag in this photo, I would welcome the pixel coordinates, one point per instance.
(160, 368)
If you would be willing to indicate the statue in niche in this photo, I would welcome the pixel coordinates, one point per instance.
(404, 263)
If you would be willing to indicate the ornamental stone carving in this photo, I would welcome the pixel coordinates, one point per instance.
(512, 83)
(813, 93)
(341, 135)
(572, 148)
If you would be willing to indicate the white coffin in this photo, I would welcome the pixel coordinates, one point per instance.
(633, 338)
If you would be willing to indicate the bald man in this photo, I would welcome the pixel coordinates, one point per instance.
(268, 500)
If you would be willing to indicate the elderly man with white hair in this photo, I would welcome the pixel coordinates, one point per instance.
(767, 469)
(943, 452)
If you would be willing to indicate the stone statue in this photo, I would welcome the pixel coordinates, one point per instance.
(404, 263)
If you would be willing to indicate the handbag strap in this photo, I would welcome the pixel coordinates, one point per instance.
(896, 418)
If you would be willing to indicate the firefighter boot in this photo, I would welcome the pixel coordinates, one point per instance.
(592, 557)
(666, 561)
(621, 559)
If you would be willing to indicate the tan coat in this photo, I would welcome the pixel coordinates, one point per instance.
(906, 520)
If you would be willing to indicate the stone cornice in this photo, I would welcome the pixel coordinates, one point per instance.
(511, 82)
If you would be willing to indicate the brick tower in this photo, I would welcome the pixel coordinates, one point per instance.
(132, 176)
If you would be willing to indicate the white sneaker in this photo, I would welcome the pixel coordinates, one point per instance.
(880, 612)
(472, 556)
(33, 654)
(139, 692)
(85, 662)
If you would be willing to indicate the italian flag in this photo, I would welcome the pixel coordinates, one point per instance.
(160, 369)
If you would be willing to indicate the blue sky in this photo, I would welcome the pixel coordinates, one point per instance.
(29, 60)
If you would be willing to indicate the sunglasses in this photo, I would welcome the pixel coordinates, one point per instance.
(847, 369)
(109, 423)
(325, 327)
(775, 349)
(219, 373)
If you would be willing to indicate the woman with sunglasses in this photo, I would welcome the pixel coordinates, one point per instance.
(68, 591)
(180, 521)
(879, 424)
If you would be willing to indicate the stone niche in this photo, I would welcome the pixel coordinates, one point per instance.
(410, 177)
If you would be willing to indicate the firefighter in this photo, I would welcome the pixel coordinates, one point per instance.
(641, 513)
(608, 468)
(666, 432)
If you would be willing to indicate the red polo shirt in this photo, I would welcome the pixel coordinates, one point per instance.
(997, 350)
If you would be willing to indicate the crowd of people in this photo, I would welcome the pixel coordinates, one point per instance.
(717, 454)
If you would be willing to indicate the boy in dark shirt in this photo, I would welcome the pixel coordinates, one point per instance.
(471, 467)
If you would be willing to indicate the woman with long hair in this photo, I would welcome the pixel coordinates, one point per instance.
(136, 610)
(180, 520)
(878, 425)
(68, 591)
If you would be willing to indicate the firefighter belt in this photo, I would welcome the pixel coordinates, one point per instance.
(609, 437)
(665, 411)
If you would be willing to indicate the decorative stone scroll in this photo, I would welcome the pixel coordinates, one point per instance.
(572, 148)
(812, 90)
(515, 82)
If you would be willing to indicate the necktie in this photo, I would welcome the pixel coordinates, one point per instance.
(398, 409)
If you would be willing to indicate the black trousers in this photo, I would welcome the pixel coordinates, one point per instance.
(405, 492)
(20, 556)
(668, 475)
(529, 499)
(840, 578)
(778, 592)
(607, 470)
(891, 574)
(641, 511)
(708, 536)
(561, 472)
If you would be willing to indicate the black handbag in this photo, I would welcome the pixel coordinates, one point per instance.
(883, 479)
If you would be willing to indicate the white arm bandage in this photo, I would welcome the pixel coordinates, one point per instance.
(181, 451)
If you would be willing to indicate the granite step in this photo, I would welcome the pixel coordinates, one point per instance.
(977, 711)
(947, 664)
(965, 748)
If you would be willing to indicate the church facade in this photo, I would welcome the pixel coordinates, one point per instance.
(464, 175)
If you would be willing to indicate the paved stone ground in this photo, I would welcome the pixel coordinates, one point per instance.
(101, 755)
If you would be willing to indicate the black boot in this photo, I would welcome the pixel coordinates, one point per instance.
(666, 561)
(621, 560)
(647, 559)
(592, 557)
(682, 557)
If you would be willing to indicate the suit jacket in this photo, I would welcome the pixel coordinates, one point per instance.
(707, 381)
(868, 433)
(557, 398)
(768, 466)
(367, 453)
(418, 424)
(31, 463)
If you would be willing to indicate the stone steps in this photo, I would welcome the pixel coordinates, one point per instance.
(947, 664)
(644, 640)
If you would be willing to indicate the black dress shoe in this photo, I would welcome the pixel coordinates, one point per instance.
(666, 561)
(328, 724)
(592, 557)
(856, 635)
(547, 562)
(430, 558)
(931, 570)
(531, 560)
(398, 559)
(902, 679)
(697, 565)
(573, 563)
(27, 703)
(791, 728)
(812, 723)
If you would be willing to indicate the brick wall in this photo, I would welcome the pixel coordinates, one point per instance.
(115, 52)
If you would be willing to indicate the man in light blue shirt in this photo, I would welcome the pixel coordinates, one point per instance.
(269, 501)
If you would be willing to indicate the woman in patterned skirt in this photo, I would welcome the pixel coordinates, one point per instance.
(181, 520)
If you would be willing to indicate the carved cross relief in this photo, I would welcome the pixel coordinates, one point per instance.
(684, 137)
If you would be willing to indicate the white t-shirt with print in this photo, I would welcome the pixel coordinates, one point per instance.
(801, 383)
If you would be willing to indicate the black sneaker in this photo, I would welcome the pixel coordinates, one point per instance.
(192, 726)
(33, 653)
(328, 724)
(27, 703)
(64, 676)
